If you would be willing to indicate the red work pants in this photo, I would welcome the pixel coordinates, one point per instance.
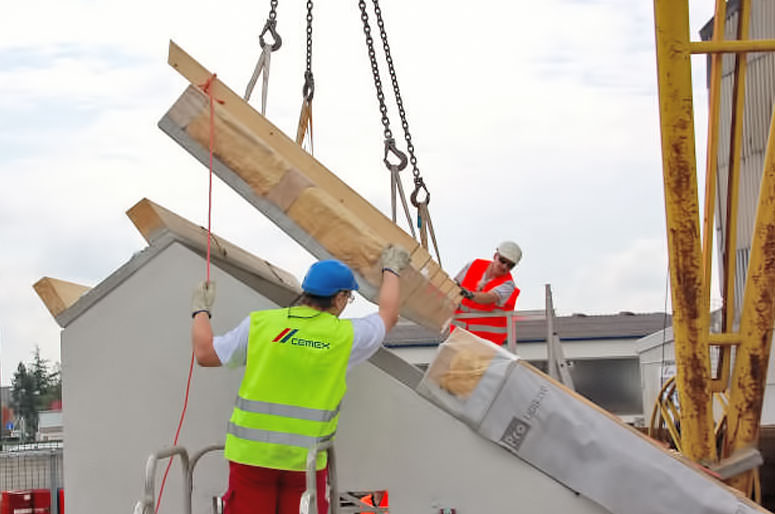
(255, 490)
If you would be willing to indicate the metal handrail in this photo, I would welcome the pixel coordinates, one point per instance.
(308, 504)
(147, 505)
(309, 500)
(511, 339)
(189, 485)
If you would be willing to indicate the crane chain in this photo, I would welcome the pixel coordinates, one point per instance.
(309, 81)
(375, 71)
(423, 218)
(271, 27)
(396, 90)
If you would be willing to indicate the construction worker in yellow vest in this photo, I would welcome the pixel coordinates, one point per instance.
(296, 361)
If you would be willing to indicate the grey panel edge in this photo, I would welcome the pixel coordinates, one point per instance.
(115, 279)
(396, 367)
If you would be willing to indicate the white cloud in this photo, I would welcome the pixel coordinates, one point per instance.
(628, 279)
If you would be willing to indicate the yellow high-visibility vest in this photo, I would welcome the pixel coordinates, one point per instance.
(292, 388)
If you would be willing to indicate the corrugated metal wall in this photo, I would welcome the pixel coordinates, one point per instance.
(759, 99)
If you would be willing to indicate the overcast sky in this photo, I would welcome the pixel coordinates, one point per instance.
(532, 121)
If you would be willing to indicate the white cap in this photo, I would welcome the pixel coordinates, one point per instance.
(511, 251)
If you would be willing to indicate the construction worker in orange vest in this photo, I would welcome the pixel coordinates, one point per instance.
(381, 498)
(488, 287)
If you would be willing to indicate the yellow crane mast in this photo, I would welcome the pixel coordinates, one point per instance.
(690, 244)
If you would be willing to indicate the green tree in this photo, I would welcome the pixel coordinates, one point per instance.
(53, 390)
(24, 401)
(36, 386)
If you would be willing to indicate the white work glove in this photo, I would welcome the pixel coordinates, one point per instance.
(203, 298)
(394, 259)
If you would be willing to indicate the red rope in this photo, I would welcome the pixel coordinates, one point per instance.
(206, 87)
(177, 433)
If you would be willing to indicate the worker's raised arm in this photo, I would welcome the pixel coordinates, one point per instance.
(394, 259)
(481, 297)
(202, 301)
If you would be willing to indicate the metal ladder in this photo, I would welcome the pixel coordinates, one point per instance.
(346, 504)
(148, 503)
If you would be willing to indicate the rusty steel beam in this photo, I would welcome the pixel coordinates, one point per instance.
(690, 313)
(756, 324)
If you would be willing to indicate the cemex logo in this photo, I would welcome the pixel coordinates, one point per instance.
(287, 336)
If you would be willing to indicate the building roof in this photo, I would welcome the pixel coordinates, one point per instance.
(162, 228)
(531, 328)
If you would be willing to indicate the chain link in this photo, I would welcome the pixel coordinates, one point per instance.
(309, 80)
(375, 70)
(309, 36)
(271, 27)
(423, 215)
(396, 90)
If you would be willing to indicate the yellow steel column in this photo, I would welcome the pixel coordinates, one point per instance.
(719, 20)
(756, 323)
(733, 182)
(690, 315)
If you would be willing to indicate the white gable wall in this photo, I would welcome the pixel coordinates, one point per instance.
(125, 361)
(124, 364)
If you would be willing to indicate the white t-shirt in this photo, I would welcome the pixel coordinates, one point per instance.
(368, 334)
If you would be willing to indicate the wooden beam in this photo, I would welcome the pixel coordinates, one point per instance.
(58, 295)
(153, 221)
(300, 195)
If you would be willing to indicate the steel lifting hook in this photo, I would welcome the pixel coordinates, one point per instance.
(390, 147)
(308, 91)
(271, 27)
(419, 185)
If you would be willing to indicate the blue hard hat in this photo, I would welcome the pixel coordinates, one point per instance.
(326, 278)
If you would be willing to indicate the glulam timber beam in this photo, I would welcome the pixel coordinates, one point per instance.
(307, 201)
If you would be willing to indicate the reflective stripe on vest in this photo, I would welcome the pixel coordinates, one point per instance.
(480, 328)
(289, 411)
(492, 328)
(268, 436)
(485, 328)
(292, 388)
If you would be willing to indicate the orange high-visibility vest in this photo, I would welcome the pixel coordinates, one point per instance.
(491, 328)
(368, 500)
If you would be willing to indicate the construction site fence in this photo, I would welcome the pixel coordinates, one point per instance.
(31, 469)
